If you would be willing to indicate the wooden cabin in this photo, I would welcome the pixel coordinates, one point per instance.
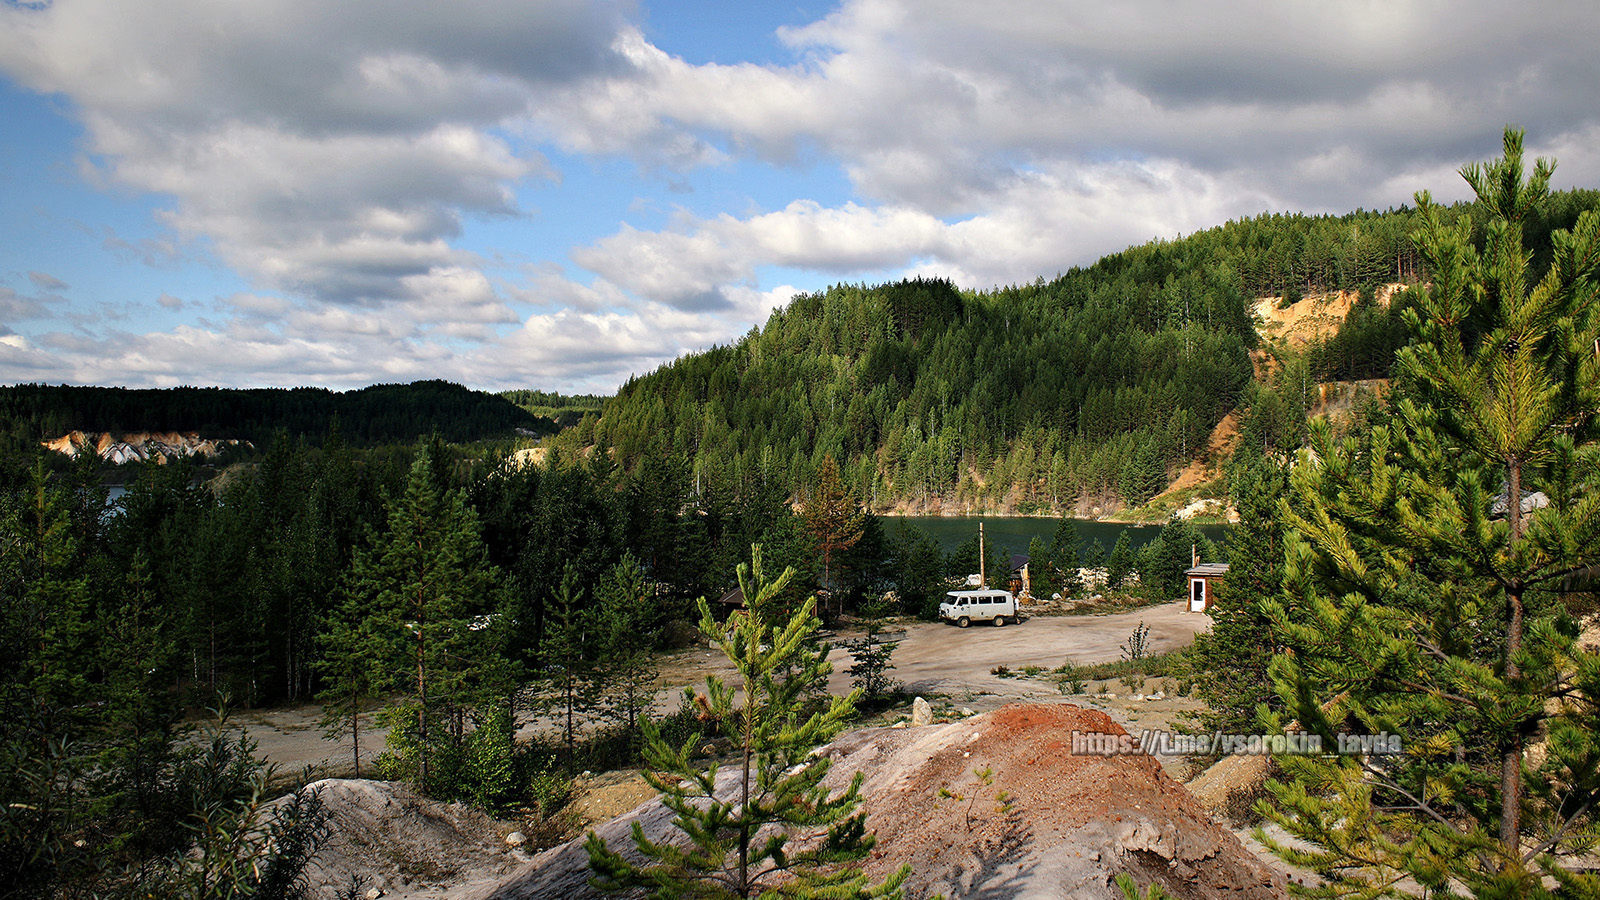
(1203, 579)
(1019, 583)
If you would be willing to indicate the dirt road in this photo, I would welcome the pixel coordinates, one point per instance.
(933, 658)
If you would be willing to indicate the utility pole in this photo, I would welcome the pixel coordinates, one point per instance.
(983, 562)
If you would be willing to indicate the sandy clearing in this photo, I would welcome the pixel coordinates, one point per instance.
(933, 658)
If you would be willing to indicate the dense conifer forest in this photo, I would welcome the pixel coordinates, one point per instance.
(380, 414)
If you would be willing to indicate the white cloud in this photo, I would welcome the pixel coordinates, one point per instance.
(327, 149)
(1033, 224)
(334, 154)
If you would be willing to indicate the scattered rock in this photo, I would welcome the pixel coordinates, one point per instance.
(965, 711)
(516, 839)
(373, 893)
(921, 712)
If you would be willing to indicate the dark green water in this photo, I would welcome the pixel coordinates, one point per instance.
(1014, 532)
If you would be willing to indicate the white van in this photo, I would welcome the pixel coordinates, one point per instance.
(966, 607)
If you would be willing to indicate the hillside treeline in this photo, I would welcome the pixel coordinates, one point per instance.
(1037, 395)
(1081, 392)
(382, 413)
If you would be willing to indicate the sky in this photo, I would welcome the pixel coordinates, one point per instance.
(561, 194)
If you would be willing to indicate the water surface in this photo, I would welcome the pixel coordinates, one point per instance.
(1014, 532)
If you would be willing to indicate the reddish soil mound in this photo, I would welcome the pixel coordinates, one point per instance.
(997, 806)
(1035, 820)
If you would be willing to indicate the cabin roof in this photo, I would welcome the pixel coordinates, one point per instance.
(1207, 570)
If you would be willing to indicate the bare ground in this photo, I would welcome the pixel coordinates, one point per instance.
(932, 659)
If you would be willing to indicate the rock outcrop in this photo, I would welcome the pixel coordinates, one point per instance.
(139, 446)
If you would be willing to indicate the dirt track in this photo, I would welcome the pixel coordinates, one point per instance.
(943, 659)
(933, 658)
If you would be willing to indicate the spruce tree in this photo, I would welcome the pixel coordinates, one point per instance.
(1066, 551)
(1432, 610)
(1120, 563)
(1235, 653)
(736, 831)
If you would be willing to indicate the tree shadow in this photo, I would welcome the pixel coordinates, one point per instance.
(999, 868)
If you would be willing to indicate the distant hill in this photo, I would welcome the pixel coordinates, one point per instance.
(373, 415)
(1082, 394)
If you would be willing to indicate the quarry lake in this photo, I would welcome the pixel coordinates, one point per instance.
(1014, 532)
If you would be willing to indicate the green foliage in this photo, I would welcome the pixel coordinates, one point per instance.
(872, 662)
(1003, 800)
(916, 567)
(1163, 561)
(1137, 646)
(1130, 889)
(428, 594)
(243, 845)
(738, 827)
(626, 627)
(1430, 613)
(1233, 656)
(832, 517)
(1121, 563)
(490, 760)
(1032, 397)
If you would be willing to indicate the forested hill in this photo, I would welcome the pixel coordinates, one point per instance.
(381, 413)
(1089, 390)
(920, 391)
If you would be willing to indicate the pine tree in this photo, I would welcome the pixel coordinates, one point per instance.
(737, 828)
(832, 518)
(1433, 611)
(425, 583)
(625, 631)
(352, 675)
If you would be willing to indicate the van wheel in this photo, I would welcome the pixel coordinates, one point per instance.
(999, 621)
(963, 622)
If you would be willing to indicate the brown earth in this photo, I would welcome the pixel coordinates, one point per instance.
(1209, 464)
(1070, 825)
(1314, 317)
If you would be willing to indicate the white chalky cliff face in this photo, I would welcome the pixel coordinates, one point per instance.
(140, 446)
